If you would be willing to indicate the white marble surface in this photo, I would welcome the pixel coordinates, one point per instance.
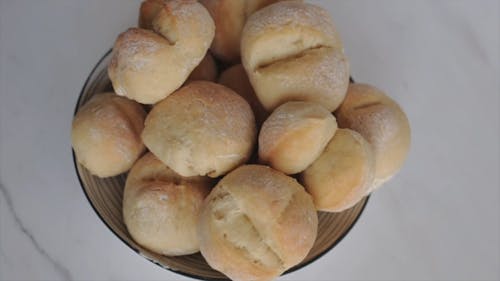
(437, 220)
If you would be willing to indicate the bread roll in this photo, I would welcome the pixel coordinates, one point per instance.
(256, 223)
(161, 208)
(291, 51)
(230, 17)
(382, 123)
(148, 11)
(294, 135)
(148, 67)
(236, 79)
(105, 134)
(188, 26)
(202, 129)
(206, 70)
(343, 174)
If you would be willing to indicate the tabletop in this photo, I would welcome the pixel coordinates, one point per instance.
(438, 219)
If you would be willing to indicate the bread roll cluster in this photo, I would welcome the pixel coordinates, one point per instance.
(198, 188)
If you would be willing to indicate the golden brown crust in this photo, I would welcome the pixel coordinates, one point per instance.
(140, 67)
(202, 129)
(326, 81)
(161, 208)
(236, 79)
(294, 135)
(188, 26)
(256, 223)
(382, 122)
(106, 134)
(285, 40)
(343, 174)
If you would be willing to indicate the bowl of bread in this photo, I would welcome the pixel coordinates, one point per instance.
(224, 139)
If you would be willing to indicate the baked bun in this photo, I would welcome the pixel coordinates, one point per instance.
(106, 133)
(343, 174)
(230, 17)
(189, 28)
(148, 11)
(202, 129)
(236, 79)
(382, 123)
(256, 223)
(161, 208)
(294, 135)
(291, 51)
(148, 67)
(206, 70)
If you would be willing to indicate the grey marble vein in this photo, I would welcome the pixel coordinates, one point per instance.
(63, 271)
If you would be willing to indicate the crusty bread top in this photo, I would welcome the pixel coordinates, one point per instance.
(106, 134)
(294, 135)
(140, 66)
(318, 75)
(256, 223)
(187, 25)
(201, 129)
(343, 174)
(161, 208)
(148, 67)
(136, 46)
(286, 29)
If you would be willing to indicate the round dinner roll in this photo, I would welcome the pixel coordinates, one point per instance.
(105, 134)
(148, 11)
(292, 52)
(230, 17)
(161, 208)
(202, 129)
(343, 174)
(206, 70)
(382, 123)
(294, 135)
(236, 79)
(148, 67)
(256, 223)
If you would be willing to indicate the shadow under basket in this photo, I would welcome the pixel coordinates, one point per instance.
(105, 196)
